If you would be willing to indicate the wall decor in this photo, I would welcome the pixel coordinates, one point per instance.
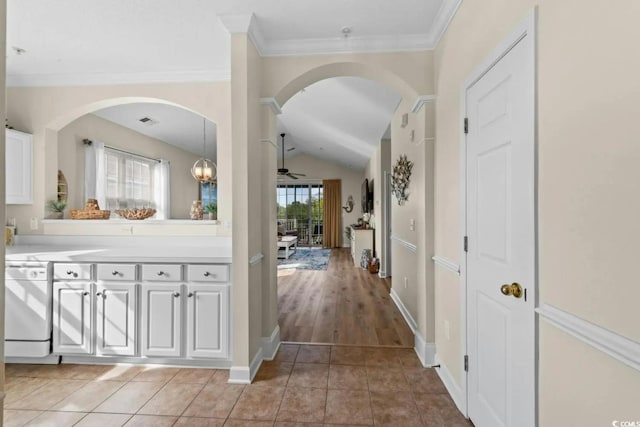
(400, 179)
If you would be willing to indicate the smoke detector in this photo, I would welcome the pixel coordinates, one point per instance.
(346, 31)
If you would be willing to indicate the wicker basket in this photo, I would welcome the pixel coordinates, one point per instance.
(136, 214)
(90, 211)
(89, 214)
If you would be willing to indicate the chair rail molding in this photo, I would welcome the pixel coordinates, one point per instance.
(256, 259)
(446, 263)
(405, 243)
(615, 345)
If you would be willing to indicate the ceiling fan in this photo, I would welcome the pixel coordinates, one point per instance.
(284, 171)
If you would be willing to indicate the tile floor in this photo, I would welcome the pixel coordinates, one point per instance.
(304, 386)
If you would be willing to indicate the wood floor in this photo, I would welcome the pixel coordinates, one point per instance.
(342, 305)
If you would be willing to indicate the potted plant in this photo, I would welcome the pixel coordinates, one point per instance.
(212, 210)
(57, 208)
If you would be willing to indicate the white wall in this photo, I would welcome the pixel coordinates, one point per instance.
(588, 175)
(184, 189)
(318, 169)
(379, 162)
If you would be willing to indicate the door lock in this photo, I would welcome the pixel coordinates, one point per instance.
(513, 289)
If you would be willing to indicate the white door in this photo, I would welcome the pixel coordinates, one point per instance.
(71, 318)
(161, 320)
(207, 329)
(18, 167)
(500, 208)
(116, 319)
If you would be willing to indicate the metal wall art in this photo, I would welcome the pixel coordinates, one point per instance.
(400, 179)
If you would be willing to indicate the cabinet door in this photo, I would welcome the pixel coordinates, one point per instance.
(161, 320)
(18, 167)
(72, 318)
(207, 321)
(116, 319)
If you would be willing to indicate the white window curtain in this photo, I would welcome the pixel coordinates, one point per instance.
(94, 187)
(162, 189)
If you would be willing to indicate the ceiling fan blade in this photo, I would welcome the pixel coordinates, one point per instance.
(292, 176)
(299, 174)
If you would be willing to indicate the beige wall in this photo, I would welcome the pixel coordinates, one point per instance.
(416, 293)
(588, 91)
(71, 151)
(43, 111)
(379, 162)
(318, 169)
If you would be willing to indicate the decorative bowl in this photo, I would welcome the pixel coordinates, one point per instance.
(136, 214)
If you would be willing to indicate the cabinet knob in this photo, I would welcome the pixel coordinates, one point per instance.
(160, 273)
(207, 274)
(190, 294)
(85, 293)
(98, 294)
(115, 273)
(72, 273)
(176, 294)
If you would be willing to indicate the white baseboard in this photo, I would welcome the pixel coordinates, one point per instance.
(245, 374)
(404, 311)
(450, 384)
(270, 345)
(426, 351)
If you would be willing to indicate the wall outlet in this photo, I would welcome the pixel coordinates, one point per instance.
(406, 283)
(34, 223)
(447, 330)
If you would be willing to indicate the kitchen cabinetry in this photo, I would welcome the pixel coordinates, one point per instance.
(72, 313)
(174, 312)
(18, 167)
(161, 319)
(116, 309)
(360, 239)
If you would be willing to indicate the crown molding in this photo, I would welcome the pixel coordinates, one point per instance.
(420, 101)
(441, 22)
(272, 103)
(102, 79)
(346, 45)
(245, 23)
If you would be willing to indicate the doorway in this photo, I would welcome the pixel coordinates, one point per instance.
(500, 241)
(300, 210)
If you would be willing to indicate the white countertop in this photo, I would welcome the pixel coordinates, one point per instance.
(120, 249)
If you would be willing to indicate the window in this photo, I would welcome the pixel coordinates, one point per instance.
(128, 181)
(208, 193)
(300, 208)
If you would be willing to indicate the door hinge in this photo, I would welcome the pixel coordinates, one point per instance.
(466, 243)
(466, 125)
(466, 363)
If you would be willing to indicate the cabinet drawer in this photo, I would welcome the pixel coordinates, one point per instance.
(64, 271)
(116, 272)
(162, 272)
(209, 273)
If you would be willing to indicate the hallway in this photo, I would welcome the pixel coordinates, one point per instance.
(342, 305)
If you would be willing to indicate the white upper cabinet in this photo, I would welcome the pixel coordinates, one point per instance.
(19, 170)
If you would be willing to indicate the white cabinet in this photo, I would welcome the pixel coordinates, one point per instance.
(161, 319)
(18, 167)
(360, 239)
(116, 313)
(72, 314)
(207, 320)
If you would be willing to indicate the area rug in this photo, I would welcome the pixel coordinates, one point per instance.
(307, 259)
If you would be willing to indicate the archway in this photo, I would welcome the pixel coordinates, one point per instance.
(344, 69)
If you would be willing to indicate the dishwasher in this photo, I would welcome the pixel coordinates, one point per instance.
(28, 308)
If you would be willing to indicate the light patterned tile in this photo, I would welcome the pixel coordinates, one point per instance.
(18, 417)
(103, 420)
(88, 397)
(48, 395)
(150, 421)
(172, 399)
(215, 401)
(56, 419)
(129, 398)
(303, 405)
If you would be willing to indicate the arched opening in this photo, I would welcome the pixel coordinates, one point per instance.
(149, 146)
(343, 304)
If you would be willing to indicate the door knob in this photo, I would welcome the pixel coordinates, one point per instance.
(513, 289)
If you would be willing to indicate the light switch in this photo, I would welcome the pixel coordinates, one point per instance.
(412, 224)
(34, 223)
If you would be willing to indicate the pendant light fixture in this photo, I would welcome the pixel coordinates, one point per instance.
(204, 170)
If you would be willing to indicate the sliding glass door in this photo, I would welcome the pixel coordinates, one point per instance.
(300, 209)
